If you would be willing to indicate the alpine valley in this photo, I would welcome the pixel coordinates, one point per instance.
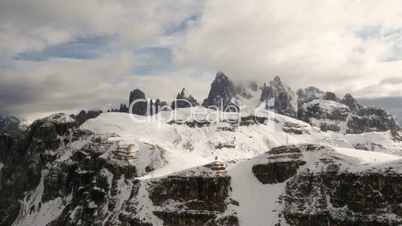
(298, 158)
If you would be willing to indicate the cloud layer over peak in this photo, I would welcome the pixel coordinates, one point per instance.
(58, 55)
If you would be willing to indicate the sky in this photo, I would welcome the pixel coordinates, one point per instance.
(66, 55)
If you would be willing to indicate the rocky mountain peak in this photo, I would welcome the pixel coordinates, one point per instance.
(182, 93)
(135, 95)
(351, 102)
(276, 81)
(184, 100)
(221, 76)
(330, 96)
(138, 108)
(284, 98)
(221, 93)
(309, 94)
(10, 124)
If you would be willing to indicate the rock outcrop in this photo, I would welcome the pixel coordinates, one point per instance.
(205, 205)
(83, 116)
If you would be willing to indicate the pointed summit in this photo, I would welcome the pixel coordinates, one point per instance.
(276, 81)
(220, 75)
(182, 93)
(221, 93)
(280, 96)
(183, 100)
(351, 102)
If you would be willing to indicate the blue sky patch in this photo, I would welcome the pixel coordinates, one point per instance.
(80, 48)
(153, 60)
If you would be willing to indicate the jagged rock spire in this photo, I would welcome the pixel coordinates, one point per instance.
(221, 93)
(281, 97)
(183, 100)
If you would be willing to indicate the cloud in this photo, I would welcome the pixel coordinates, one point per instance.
(64, 84)
(37, 25)
(153, 60)
(343, 46)
(57, 55)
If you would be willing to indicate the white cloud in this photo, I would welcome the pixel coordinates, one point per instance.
(60, 84)
(306, 42)
(35, 25)
(338, 45)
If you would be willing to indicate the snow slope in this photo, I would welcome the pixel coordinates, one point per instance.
(33, 212)
(189, 147)
(258, 205)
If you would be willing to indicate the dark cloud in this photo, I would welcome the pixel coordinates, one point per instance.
(12, 95)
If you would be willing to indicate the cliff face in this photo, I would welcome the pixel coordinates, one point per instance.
(22, 159)
(62, 175)
(115, 199)
(322, 187)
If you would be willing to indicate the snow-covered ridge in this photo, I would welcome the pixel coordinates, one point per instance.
(188, 147)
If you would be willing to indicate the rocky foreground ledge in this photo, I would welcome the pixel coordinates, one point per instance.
(323, 187)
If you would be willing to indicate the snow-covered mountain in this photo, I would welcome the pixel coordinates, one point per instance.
(290, 158)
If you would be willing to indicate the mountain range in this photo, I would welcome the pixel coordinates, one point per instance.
(298, 158)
